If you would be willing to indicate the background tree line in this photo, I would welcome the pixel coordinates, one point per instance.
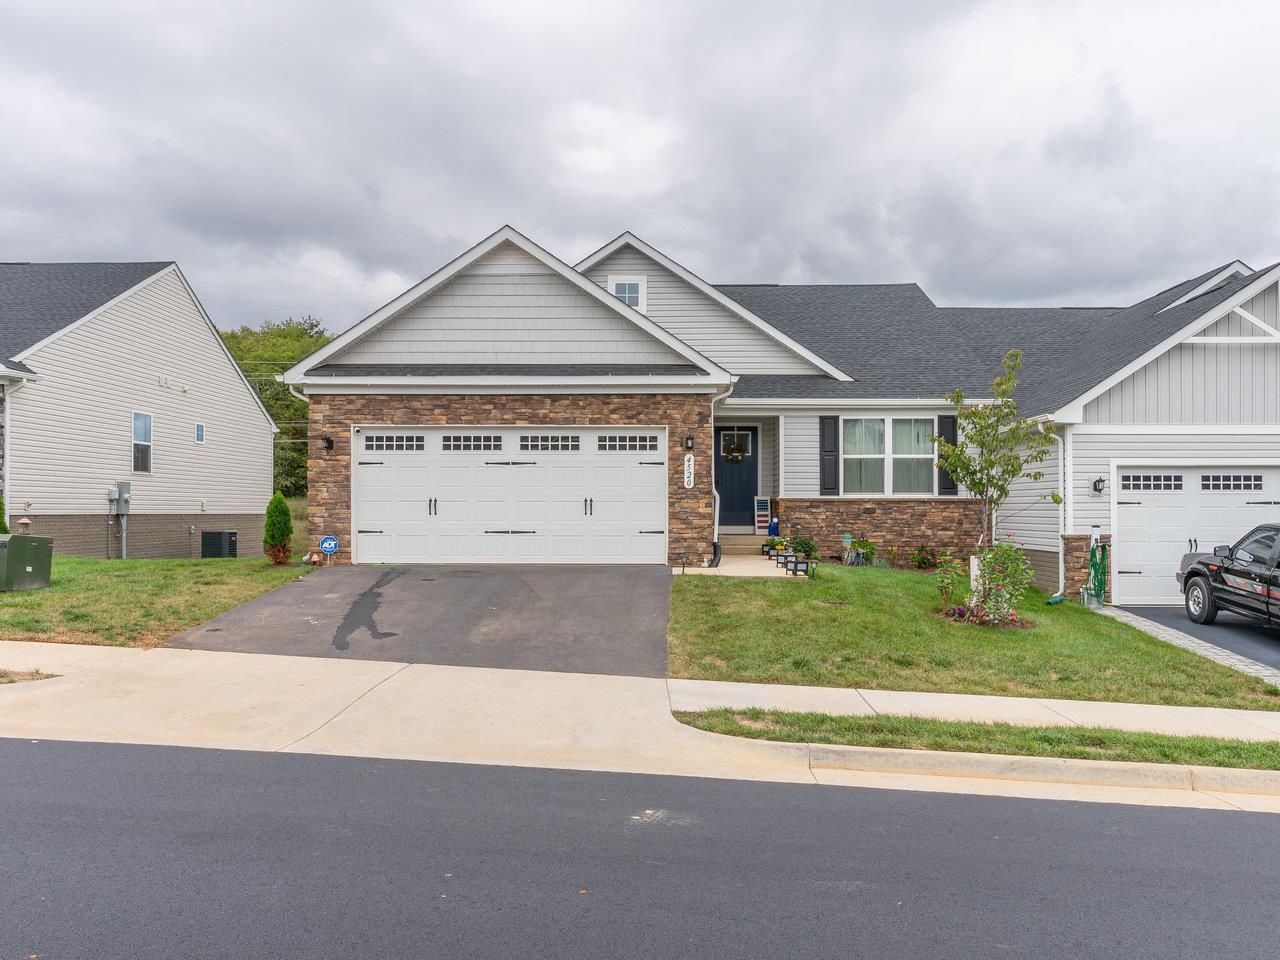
(262, 353)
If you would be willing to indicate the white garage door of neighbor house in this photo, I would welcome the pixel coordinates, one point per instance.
(1164, 512)
(510, 495)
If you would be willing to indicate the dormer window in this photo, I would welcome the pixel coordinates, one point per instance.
(630, 290)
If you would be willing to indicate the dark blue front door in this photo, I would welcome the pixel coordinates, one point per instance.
(737, 474)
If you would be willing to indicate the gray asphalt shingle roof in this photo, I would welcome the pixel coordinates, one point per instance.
(897, 344)
(39, 299)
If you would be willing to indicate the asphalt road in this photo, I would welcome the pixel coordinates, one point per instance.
(569, 619)
(1229, 631)
(114, 852)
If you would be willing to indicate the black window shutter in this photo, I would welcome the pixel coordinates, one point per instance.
(829, 456)
(947, 431)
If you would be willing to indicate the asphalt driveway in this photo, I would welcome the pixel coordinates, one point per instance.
(573, 619)
(1229, 632)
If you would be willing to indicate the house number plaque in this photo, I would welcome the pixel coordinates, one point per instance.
(688, 471)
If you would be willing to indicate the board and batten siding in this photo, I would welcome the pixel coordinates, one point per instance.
(696, 319)
(1194, 384)
(508, 308)
(800, 443)
(1028, 513)
(71, 431)
(1092, 454)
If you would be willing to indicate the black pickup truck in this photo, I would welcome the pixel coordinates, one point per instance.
(1243, 578)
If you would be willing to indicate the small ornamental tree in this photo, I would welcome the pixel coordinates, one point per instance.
(4, 516)
(995, 446)
(278, 530)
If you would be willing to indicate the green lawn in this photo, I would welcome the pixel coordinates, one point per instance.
(878, 628)
(137, 603)
(915, 733)
(298, 513)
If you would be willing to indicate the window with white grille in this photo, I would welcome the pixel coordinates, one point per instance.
(628, 443)
(1151, 481)
(550, 442)
(382, 442)
(1230, 481)
(464, 442)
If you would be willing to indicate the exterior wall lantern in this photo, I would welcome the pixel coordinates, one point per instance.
(688, 443)
(328, 442)
(1099, 484)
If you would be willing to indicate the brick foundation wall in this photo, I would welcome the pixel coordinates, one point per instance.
(152, 536)
(1076, 561)
(689, 522)
(937, 523)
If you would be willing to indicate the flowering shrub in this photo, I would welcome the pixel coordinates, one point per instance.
(1004, 574)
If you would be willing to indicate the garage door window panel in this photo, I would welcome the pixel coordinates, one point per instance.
(627, 443)
(1151, 481)
(1231, 481)
(471, 443)
(397, 443)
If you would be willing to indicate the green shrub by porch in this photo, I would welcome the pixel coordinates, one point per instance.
(4, 516)
(277, 533)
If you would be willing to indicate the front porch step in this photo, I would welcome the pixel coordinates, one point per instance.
(739, 550)
(745, 539)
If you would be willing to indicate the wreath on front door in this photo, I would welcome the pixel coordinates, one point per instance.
(735, 452)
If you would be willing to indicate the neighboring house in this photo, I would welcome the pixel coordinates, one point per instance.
(113, 372)
(513, 408)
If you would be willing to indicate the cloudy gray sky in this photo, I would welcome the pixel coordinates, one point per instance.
(308, 157)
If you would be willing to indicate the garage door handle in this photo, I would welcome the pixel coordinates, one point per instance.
(653, 463)
(1128, 571)
(511, 531)
(1261, 503)
(368, 531)
(1129, 503)
(370, 463)
(651, 531)
(511, 463)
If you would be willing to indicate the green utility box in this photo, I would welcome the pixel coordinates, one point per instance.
(24, 561)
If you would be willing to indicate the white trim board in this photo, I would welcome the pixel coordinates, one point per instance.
(711, 293)
(1230, 270)
(1074, 412)
(505, 234)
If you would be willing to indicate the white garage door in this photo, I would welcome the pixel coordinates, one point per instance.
(1163, 512)
(510, 495)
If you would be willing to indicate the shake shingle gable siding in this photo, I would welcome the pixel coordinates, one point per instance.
(39, 299)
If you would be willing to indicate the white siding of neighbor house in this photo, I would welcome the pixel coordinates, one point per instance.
(1028, 514)
(1092, 455)
(799, 467)
(699, 321)
(508, 308)
(767, 454)
(71, 431)
(1193, 384)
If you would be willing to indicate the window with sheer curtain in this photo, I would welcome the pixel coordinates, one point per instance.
(891, 455)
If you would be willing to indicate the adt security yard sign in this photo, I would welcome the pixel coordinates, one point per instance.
(328, 546)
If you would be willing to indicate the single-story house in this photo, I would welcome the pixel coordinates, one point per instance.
(113, 373)
(513, 408)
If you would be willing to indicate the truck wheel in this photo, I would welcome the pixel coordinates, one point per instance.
(1199, 602)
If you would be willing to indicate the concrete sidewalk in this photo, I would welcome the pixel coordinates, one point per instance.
(519, 718)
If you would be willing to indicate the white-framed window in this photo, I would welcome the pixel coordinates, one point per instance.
(631, 289)
(141, 442)
(888, 456)
(199, 433)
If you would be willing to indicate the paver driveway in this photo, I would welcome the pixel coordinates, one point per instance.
(575, 619)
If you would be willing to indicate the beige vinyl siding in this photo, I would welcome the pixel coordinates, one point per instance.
(1028, 514)
(71, 431)
(508, 308)
(699, 321)
(1092, 455)
(1193, 384)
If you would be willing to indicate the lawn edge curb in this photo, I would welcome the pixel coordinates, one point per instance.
(1108, 773)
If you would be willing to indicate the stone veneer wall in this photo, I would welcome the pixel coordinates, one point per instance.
(152, 536)
(689, 523)
(902, 524)
(1076, 562)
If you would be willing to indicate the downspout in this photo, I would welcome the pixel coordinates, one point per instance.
(1062, 518)
(715, 494)
(293, 391)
